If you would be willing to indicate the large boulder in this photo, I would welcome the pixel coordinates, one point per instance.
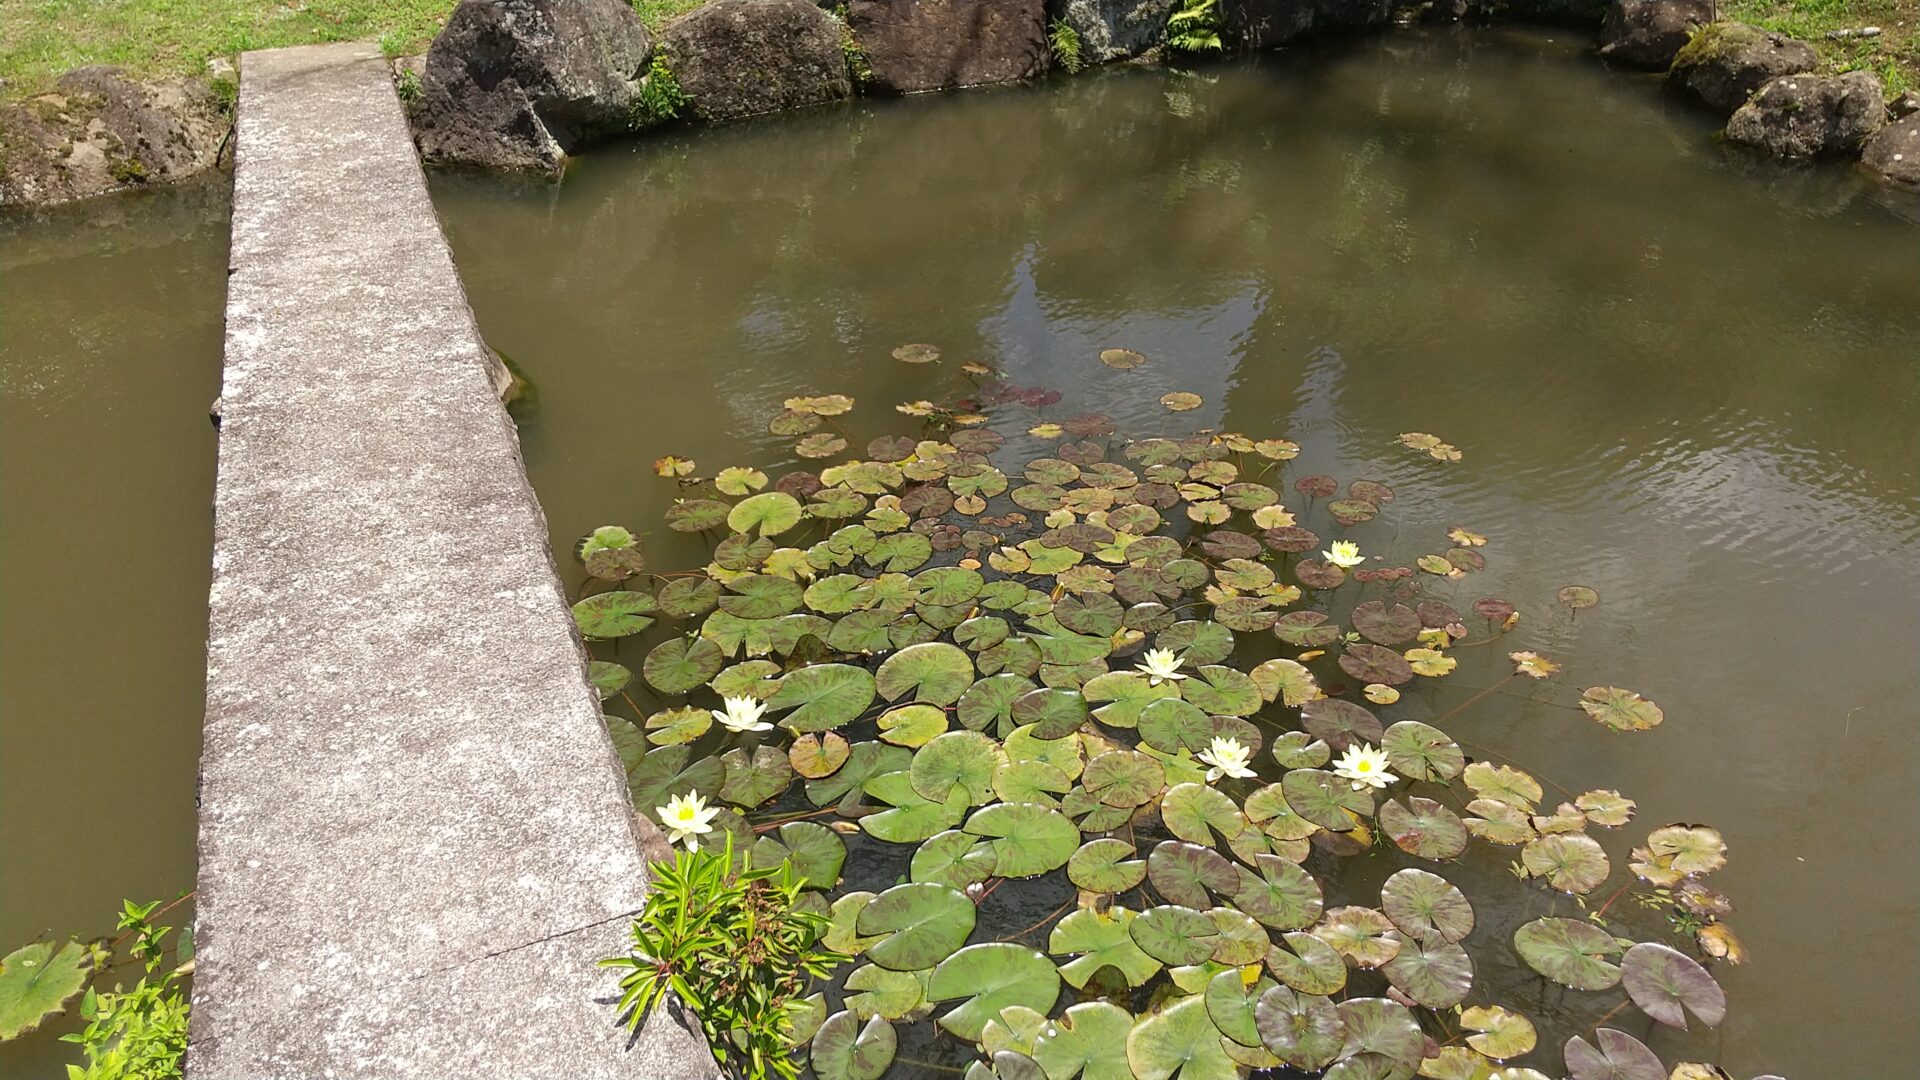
(914, 45)
(1808, 116)
(1895, 152)
(1726, 62)
(1114, 29)
(524, 83)
(96, 132)
(1646, 34)
(744, 57)
(1263, 24)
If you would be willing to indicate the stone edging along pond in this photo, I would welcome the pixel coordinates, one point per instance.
(524, 84)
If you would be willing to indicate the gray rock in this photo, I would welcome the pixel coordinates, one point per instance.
(1807, 116)
(915, 45)
(1263, 24)
(97, 131)
(1114, 29)
(1895, 152)
(1905, 105)
(745, 57)
(524, 83)
(1646, 34)
(1726, 62)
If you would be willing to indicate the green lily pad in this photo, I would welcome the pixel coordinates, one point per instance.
(1570, 952)
(678, 665)
(1503, 783)
(900, 552)
(1123, 778)
(912, 725)
(1174, 934)
(753, 778)
(864, 762)
(1361, 934)
(1503, 1033)
(685, 598)
(1102, 939)
(989, 703)
(1285, 681)
(953, 858)
(1231, 1005)
(1424, 828)
(924, 923)
(1182, 1040)
(844, 1050)
(1387, 1029)
(1621, 710)
(1106, 865)
(1325, 799)
(1193, 812)
(1613, 1055)
(1222, 691)
(816, 852)
(963, 761)
(1278, 893)
(1171, 725)
(1197, 642)
(696, 515)
(1436, 974)
(1059, 645)
(1305, 1030)
(1088, 1040)
(939, 673)
(1185, 873)
(760, 596)
(1014, 1027)
(1426, 907)
(1027, 838)
(613, 614)
(1122, 695)
(1053, 713)
(912, 817)
(1238, 940)
(1667, 984)
(1094, 613)
(1577, 597)
(1418, 751)
(35, 982)
(1308, 964)
(1571, 862)
(876, 991)
(991, 976)
(608, 678)
(667, 771)
(771, 512)
(823, 696)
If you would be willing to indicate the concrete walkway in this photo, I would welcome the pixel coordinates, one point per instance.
(415, 839)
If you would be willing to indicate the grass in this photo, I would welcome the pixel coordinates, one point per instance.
(40, 39)
(1894, 55)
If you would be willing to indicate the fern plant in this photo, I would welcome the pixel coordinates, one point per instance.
(1194, 27)
(734, 945)
(1064, 41)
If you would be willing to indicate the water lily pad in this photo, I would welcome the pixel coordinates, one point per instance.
(1304, 1030)
(1307, 629)
(1424, 828)
(1570, 952)
(1198, 643)
(1102, 939)
(1688, 849)
(1193, 812)
(35, 982)
(953, 858)
(685, 598)
(1053, 713)
(992, 976)
(1059, 645)
(1571, 862)
(1383, 625)
(958, 760)
(1361, 934)
(815, 756)
(1499, 822)
(1503, 783)
(911, 817)
(1123, 778)
(1613, 1055)
(820, 444)
(1503, 1033)
(1094, 613)
(1307, 964)
(1106, 865)
(918, 353)
(1027, 838)
(1285, 681)
(1232, 1001)
(1375, 664)
(1325, 799)
(1238, 940)
(1340, 723)
(864, 762)
(842, 1049)
(1418, 751)
(1606, 808)
(1426, 907)
(770, 512)
(1185, 873)
(1124, 694)
(608, 678)
(760, 596)
(924, 922)
(1621, 710)
(1667, 984)
(1223, 691)
(815, 851)
(754, 777)
(696, 515)
(678, 665)
(1179, 1040)
(989, 703)
(1122, 360)
(1088, 1040)
(1171, 725)
(899, 552)
(874, 991)
(613, 614)
(1387, 1029)
(1299, 750)
(1577, 597)
(823, 696)
(668, 771)
(1278, 893)
(1174, 934)
(1180, 401)
(1436, 974)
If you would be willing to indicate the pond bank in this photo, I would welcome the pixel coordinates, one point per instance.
(415, 840)
(527, 83)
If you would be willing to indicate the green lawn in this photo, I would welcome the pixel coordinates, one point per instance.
(40, 39)
(1895, 54)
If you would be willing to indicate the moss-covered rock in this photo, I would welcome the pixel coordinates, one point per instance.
(1725, 62)
(97, 131)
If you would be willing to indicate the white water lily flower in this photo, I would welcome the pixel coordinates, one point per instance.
(1160, 665)
(686, 817)
(1365, 765)
(742, 714)
(1344, 554)
(1229, 757)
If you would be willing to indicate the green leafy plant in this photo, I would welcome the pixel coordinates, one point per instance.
(407, 85)
(1194, 27)
(137, 1033)
(1064, 41)
(661, 98)
(859, 68)
(735, 944)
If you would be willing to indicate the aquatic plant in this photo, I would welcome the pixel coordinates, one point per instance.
(1131, 679)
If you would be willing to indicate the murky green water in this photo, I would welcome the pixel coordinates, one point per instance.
(1689, 382)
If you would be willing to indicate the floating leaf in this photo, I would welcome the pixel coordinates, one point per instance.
(815, 851)
(1305, 1030)
(1436, 974)
(992, 976)
(1223, 691)
(1340, 723)
(912, 725)
(674, 726)
(1577, 597)
(1106, 865)
(1123, 778)
(1383, 625)
(924, 922)
(1376, 1026)
(913, 817)
(1325, 799)
(1361, 934)
(815, 756)
(1571, 862)
(1426, 907)
(1027, 838)
(1184, 873)
(1174, 934)
(1180, 401)
(1312, 967)
(1667, 984)
(1621, 710)
(753, 778)
(1278, 893)
(844, 1050)
(1569, 952)
(1193, 812)
(1503, 1033)
(1503, 783)
(35, 982)
(865, 761)
(613, 614)
(954, 859)
(1089, 1040)
(1102, 939)
(1424, 828)
(823, 696)
(1688, 849)
(608, 678)
(666, 771)
(1532, 665)
(684, 598)
(1617, 1056)
(1181, 1040)
(1375, 664)
(1418, 751)
(939, 672)
(1170, 725)
(876, 991)
(1285, 681)
(678, 665)
(1232, 1002)
(962, 761)
(1122, 360)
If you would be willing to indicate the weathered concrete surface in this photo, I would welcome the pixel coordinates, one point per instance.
(415, 839)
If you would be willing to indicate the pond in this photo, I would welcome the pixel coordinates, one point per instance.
(1680, 378)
